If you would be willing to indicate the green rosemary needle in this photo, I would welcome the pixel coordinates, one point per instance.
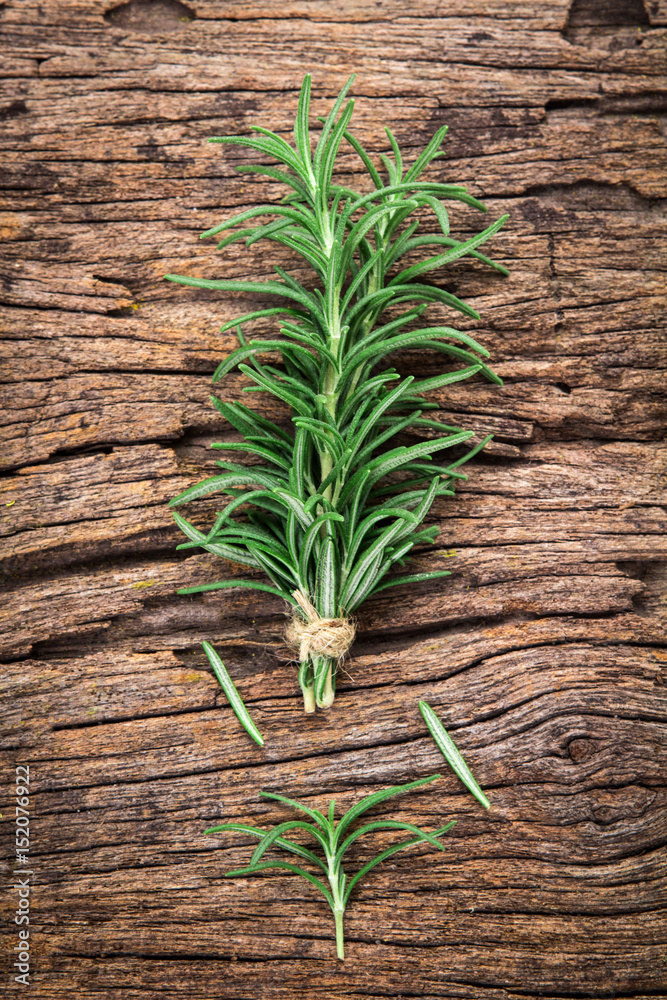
(317, 513)
(451, 753)
(334, 840)
(234, 698)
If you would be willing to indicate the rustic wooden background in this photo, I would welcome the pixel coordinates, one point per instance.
(544, 650)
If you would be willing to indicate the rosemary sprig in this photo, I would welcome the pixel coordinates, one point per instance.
(334, 840)
(318, 513)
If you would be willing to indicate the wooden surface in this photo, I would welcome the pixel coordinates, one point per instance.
(544, 652)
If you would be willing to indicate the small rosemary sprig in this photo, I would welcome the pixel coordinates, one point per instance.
(317, 513)
(334, 839)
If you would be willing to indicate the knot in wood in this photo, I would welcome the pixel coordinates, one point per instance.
(326, 636)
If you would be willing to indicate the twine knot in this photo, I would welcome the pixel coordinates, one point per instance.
(326, 636)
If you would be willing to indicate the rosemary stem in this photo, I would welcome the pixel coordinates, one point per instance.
(307, 685)
(308, 700)
(326, 699)
(340, 936)
(337, 882)
(331, 395)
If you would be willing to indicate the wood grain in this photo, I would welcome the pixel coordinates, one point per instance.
(544, 652)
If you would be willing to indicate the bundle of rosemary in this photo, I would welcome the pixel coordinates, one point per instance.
(328, 511)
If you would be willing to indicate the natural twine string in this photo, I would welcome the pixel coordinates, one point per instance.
(327, 636)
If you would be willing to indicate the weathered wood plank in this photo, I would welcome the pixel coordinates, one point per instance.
(544, 651)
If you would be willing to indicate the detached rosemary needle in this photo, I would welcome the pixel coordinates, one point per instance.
(234, 698)
(451, 753)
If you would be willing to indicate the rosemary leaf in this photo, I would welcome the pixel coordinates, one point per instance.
(234, 698)
(451, 753)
